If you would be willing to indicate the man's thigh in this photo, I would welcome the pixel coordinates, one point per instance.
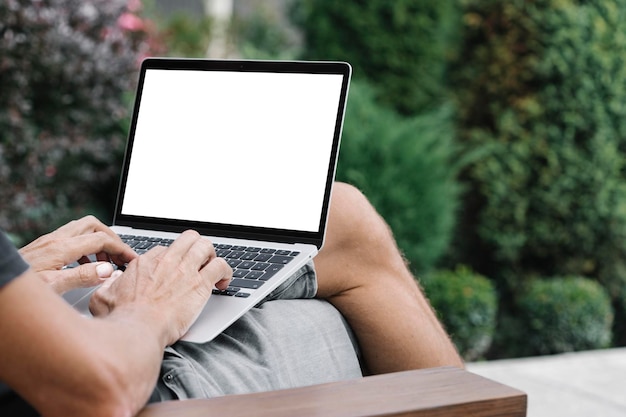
(283, 343)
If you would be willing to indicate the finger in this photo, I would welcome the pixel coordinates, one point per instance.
(97, 243)
(87, 224)
(185, 241)
(101, 302)
(192, 249)
(82, 276)
(217, 273)
(112, 278)
(155, 252)
(201, 251)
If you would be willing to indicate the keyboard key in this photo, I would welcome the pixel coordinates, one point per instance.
(263, 257)
(270, 272)
(254, 274)
(240, 273)
(246, 283)
(144, 245)
(222, 253)
(233, 262)
(246, 265)
(278, 259)
(260, 266)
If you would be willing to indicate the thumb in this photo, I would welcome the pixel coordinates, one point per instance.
(82, 276)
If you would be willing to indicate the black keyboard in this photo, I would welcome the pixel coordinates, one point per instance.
(252, 266)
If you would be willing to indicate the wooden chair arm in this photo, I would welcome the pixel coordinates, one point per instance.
(431, 392)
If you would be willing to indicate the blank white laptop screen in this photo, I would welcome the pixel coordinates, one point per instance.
(201, 144)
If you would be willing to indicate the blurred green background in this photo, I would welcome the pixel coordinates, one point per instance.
(490, 135)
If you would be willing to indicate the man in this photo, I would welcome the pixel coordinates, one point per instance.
(65, 364)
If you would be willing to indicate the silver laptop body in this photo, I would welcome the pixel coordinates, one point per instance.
(242, 151)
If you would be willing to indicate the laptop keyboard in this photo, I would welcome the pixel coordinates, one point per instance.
(252, 266)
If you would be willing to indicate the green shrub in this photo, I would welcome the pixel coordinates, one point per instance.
(400, 46)
(466, 303)
(541, 88)
(563, 315)
(186, 36)
(67, 68)
(405, 166)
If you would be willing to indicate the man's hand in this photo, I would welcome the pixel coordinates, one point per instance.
(169, 285)
(50, 253)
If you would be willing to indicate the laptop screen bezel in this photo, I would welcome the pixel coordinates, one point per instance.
(228, 230)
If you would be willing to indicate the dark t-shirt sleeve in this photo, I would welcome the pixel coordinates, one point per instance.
(11, 263)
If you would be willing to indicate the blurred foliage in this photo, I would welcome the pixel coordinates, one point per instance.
(406, 167)
(264, 34)
(185, 36)
(466, 303)
(401, 47)
(67, 67)
(541, 88)
(563, 315)
(260, 33)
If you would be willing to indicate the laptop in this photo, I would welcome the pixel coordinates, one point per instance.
(242, 151)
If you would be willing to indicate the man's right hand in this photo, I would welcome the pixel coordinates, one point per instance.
(170, 285)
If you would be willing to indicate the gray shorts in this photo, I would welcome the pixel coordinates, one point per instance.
(289, 340)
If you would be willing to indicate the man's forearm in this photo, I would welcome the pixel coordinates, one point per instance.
(75, 365)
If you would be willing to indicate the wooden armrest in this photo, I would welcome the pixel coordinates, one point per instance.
(429, 392)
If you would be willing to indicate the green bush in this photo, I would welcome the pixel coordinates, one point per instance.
(563, 315)
(401, 47)
(405, 166)
(185, 35)
(541, 88)
(466, 303)
(67, 68)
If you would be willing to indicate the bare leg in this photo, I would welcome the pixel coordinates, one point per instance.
(362, 273)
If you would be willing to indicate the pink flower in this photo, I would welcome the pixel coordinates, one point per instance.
(130, 22)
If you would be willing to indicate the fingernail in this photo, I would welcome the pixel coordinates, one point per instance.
(104, 270)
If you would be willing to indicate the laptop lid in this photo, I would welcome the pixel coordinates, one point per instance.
(234, 148)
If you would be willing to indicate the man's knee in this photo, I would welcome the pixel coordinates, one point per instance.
(356, 221)
(359, 252)
(351, 209)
